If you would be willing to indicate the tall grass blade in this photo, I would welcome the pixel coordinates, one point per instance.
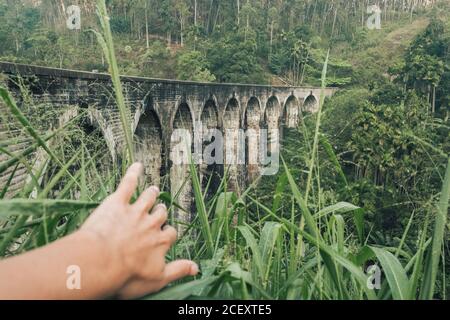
(27, 207)
(9, 101)
(106, 42)
(434, 253)
(201, 209)
(267, 243)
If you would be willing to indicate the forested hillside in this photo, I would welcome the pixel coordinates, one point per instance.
(247, 41)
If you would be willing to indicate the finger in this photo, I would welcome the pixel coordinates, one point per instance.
(159, 215)
(129, 182)
(137, 288)
(179, 269)
(147, 199)
(169, 235)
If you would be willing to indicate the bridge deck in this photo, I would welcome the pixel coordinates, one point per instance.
(26, 69)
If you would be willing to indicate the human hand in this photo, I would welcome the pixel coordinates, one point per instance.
(136, 241)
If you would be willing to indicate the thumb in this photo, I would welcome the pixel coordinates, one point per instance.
(179, 269)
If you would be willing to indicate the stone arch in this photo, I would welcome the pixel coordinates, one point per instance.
(96, 119)
(148, 104)
(183, 117)
(252, 122)
(272, 115)
(181, 143)
(232, 152)
(210, 173)
(311, 103)
(99, 141)
(210, 115)
(252, 116)
(148, 143)
(291, 112)
(231, 116)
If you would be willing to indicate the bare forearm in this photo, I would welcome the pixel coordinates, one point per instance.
(42, 273)
(120, 250)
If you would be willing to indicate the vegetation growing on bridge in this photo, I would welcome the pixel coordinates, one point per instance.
(364, 181)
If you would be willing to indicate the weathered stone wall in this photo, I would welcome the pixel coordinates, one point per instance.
(12, 140)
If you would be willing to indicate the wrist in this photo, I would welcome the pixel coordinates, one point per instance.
(108, 261)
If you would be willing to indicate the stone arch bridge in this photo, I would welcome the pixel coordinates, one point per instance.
(158, 107)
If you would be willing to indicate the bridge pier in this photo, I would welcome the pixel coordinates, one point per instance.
(252, 125)
(231, 125)
(180, 154)
(210, 173)
(148, 146)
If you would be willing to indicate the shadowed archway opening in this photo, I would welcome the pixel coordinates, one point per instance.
(148, 145)
(272, 117)
(95, 142)
(310, 104)
(291, 113)
(210, 173)
(252, 126)
(89, 141)
(290, 121)
(231, 115)
(272, 113)
(181, 144)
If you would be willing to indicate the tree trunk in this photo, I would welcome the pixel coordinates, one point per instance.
(238, 12)
(271, 38)
(63, 8)
(334, 23)
(433, 105)
(304, 68)
(146, 25)
(195, 24)
(182, 27)
(247, 27)
(195, 12)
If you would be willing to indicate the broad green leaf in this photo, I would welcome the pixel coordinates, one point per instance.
(340, 207)
(267, 242)
(253, 245)
(394, 272)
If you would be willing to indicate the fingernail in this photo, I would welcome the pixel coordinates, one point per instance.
(155, 189)
(141, 168)
(162, 206)
(137, 167)
(194, 269)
